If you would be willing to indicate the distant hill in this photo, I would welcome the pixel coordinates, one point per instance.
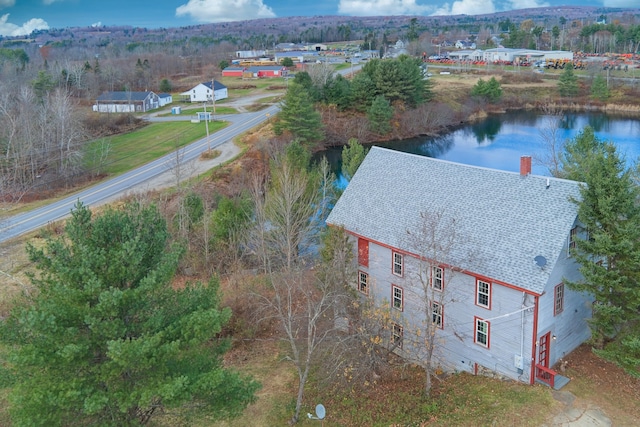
(262, 32)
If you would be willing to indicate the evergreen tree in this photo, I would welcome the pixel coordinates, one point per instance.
(298, 116)
(568, 82)
(337, 91)
(165, 85)
(379, 115)
(106, 339)
(352, 156)
(490, 91)
(609, 257)
(400, 79)
(362, 91)
(287, 62)
(43, 84)
(599, 89)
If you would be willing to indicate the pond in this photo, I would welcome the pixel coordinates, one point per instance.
(499, 141)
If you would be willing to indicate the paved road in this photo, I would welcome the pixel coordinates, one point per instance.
(20, 224)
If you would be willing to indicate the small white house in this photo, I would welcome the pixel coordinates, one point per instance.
(164, 99)
(205, 91)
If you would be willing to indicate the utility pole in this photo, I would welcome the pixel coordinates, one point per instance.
(213, 95)
(206, 124)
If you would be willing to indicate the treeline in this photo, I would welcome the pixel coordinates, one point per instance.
(41, 141)
(370, 99)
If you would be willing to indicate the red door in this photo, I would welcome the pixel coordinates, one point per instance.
(543, 350)
(543, 359)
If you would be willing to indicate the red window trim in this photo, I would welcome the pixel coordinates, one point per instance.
(393, 288)
(488, 307)
(393, 263)
(475, 331)
(555, 299)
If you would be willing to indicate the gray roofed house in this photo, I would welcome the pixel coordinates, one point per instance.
(518, 228)
(126, 102)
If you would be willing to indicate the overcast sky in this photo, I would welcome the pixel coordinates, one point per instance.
(20, 17)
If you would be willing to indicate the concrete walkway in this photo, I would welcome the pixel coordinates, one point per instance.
(573, 416)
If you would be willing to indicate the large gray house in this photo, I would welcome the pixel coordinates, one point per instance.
(485, 251)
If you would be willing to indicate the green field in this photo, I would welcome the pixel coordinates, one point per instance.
(136, 148)
(192, 111)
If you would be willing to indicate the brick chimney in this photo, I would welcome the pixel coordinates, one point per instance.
(525, 165)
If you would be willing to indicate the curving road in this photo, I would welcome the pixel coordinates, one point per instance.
(23, 223)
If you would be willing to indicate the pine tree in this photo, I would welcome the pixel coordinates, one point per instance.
(568, 82)
(352, 156)
(609, 257)
(599, 89)
(106, 340)
(379, 115)
(298, 116)
(490, 91)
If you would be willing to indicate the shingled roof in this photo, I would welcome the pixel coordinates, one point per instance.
(217, 85)
(123, 96)
(504, 219)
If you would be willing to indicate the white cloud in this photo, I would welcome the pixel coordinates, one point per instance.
(9, 29)
(467, 7)
(97, 24)
(527, 4)
(225, 10)
(6, 3)
(620, 3)
(48, 2)
(381, 7)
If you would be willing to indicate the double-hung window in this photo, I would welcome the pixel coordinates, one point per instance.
(481, 335)
(397, 298)
(437, 314)
(363, 282)
(573, 236)
(558, 299)
(397, 333)
(398, 264)
(437, 278)
(483, 293)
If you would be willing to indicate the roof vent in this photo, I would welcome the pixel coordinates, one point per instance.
(548, 183)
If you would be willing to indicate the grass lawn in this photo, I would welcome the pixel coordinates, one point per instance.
(239, 87)
(136, 148)
(193, 110)
(460, 400)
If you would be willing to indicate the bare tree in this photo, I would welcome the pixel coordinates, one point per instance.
(301, 304)
(321, 73)
(439, 246)
(551, 155)
(289, 214)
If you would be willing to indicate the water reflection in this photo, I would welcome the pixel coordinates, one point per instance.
(486, 130)
(499, 141)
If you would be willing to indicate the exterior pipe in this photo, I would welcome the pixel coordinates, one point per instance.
(534, 348)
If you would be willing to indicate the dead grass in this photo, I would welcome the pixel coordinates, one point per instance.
(14, 264)
(210, 154)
